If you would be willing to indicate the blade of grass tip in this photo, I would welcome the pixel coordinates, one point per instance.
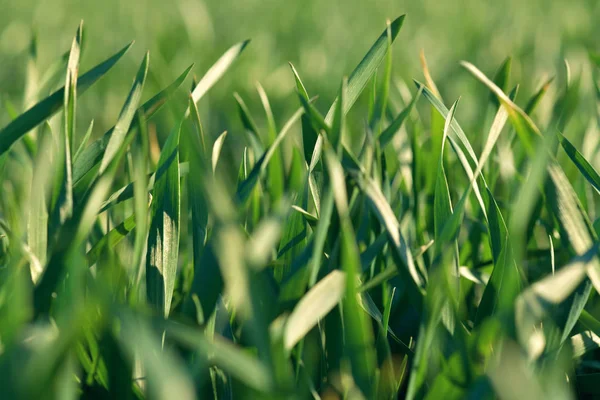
(501, 79)
(314, 306)
(387, 218)
(309, 134)
(62, 202)
(245, 188)
(388, 134)
(384, 88)
(93, 154)
(359, 343)
(437, 103)
(51, 104)
(218, 70)
(524, 126)
(427, 75)
(275, 176)
(216, 152)
(583, 165)
(163, 238)
(256, 142)
(337, 126)
(450, 229)
(537, 97)
(84, 141)
(126, 116)
(359, 78)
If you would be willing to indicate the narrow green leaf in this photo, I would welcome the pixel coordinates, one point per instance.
(163, 238)
(126, 116)
(51, 104)
(313, 307)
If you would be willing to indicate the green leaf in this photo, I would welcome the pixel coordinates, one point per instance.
(111, 239)
(314, 306)
(126, 116)
(358, 334)
(163, 238)
(586, 169)
(388, 134)
(502, 78)
(92, 155)
(216, 152)
(51, 104)
(386, 217)
(245, 188)
(218, 69)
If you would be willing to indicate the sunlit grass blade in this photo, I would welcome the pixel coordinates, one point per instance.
(218, 69)
(163, 237)
(322, 297)
(216, 152)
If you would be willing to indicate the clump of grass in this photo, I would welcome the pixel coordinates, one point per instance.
(393, 259)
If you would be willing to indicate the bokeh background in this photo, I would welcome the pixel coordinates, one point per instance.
(324, 39)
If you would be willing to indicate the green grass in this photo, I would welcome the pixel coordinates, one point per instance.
(375, 250)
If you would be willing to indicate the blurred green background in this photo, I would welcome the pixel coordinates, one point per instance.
(324, 39)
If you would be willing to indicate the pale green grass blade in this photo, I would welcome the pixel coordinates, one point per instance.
(317, 303)
(524, 126)
(51, 104)
(62, 199)
(216, 151)
(163, 238)
(126, 116)
(387, 218)
(218, 69)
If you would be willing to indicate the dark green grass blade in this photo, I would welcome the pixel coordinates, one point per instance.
(586, 169)
(51, 104)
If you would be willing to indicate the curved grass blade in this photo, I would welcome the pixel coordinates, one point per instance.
(111, 239)
(51, 104)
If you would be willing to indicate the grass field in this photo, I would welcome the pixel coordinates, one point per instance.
(368, 221)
